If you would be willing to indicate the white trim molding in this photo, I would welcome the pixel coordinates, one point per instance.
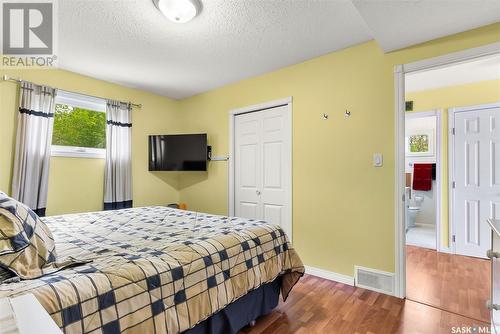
(77, 152)
(330, 275)
(399, 191)
(451, 177)
(254, 108)
(452, 58)
(475, 107)
(399, 112)
(80, 101)
(261, 106)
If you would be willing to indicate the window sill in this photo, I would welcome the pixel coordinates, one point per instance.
(77, 152)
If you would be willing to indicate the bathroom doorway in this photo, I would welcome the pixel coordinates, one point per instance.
(423, 170)
(430, 92)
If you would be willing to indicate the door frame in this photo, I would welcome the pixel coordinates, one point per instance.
(231, 183)
(451, 162)
(439, 165)
(399, 161)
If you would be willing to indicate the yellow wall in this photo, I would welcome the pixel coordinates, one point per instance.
(76, 184)
(343, 207)
(455, 96)
(445, 98)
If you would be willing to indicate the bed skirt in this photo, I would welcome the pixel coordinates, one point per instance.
(241, 312)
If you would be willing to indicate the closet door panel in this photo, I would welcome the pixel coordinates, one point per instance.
(248, 169)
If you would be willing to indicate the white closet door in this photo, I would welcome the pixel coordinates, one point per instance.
(276, 166)
(477, 179)
(263, 166)
(248, 166)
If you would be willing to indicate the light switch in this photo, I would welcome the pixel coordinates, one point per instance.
(378, 160)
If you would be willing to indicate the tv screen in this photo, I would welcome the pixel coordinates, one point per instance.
(178, 152)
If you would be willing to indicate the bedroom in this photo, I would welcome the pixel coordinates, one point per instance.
(188, 77)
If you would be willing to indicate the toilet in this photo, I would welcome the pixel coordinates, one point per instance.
(413, 210)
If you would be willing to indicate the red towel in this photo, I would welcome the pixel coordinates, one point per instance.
(422, 177)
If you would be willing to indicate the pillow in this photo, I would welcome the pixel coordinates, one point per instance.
(27, 246)
(12, 236)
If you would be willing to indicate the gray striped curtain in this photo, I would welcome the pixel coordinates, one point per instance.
(34, 137)
(118, 172)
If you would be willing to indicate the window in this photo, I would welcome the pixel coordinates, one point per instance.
(420, 143)
(79, 126)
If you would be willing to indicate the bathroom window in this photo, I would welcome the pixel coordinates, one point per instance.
(420, 144)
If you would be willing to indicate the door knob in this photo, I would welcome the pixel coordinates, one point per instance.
(492, 306)
(257, 192)
(491, 254)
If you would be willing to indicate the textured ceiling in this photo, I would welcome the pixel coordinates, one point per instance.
(487, 68)
(131, 43)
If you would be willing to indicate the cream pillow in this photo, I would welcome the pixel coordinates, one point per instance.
(27, 246)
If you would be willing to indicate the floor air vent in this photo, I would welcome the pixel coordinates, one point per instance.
(375, 280)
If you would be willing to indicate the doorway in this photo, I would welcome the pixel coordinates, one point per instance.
(423, 151)
(260, 169)
(439, 277)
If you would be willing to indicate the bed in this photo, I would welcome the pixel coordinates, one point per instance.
(161, 270)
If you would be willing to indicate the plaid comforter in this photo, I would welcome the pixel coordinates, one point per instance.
(156, 269)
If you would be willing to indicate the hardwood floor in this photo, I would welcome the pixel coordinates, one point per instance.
(320, 306)
(455, 283)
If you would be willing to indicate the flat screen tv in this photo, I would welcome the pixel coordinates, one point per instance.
(178, 152)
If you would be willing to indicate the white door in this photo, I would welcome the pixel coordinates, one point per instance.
(477, 178)
(262, 162)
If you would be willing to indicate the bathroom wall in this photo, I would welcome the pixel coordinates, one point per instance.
(427, 214)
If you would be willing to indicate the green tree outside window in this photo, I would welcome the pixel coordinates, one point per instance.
(79, 127)
(419, 143)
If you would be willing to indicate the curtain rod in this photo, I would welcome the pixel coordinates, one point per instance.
(135, 105)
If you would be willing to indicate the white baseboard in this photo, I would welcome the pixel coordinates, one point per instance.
(330, 275)
(447, 250)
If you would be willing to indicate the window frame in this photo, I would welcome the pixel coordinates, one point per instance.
(85, 102)
(430, 142)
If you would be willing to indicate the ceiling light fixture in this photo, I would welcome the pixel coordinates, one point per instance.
(179, 11)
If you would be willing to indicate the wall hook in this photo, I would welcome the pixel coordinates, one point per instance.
(347, 114)
(325, 116)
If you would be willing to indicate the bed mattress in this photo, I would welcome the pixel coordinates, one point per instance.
(156, 269)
